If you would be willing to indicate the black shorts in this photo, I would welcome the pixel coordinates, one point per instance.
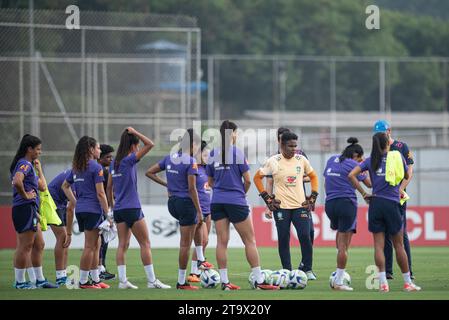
(235, 213)
(62, 214)
(24, 217)
(384, 216)
(129, 216)
(342, 213)
(88, 220)
(183, 210)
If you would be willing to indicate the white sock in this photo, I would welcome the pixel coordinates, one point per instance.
(39, 273)
(61, 274)
(95, 275)
(122, 273)
(224, 275)
(149, 270)
(194, 268)
(181, 276)
(406, 277)
(257, 271)
(383, 277)
(339, 276)
(199, 253)
(20, 275)
(84, 276)
(31, 274)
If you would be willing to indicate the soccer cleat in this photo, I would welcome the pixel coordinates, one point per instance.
(101, 285)
(126, 285)
(342, 287)
(390, 276)
(193, 278)
(88, 285)
(229, 286)
(310, 275)
(63, 281)
(203, 265)
(208, 264)
(157, 284)
(45, 284)
(410, 287)
(384, 288)
(105, 275)
(186, 286)
(265, 286)
(24, 285)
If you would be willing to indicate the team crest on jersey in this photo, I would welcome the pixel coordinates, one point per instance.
(280, 216)
(169, 167)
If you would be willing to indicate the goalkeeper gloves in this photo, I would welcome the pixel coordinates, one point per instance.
(270, 200)
(309, 204)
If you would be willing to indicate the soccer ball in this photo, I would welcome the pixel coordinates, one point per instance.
(280, 278)
(346, 279)
(209, 279)
(266, 277)
(297, 279)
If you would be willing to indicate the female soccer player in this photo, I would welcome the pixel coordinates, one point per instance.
(127, 209)
(290, 205)
(341, 202)
(202, 231)
(226, 168)
(87, 177)
(183, 202)
(63, 232)
(384, 215)
(27, 181)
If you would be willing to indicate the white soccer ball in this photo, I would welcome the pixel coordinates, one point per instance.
(297, 279)
(280, 278)
(346, 279)
(266, 277)
(209, 279)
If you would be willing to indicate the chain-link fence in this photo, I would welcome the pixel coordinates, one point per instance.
(117, 70)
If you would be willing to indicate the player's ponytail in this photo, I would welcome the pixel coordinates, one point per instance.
(352, 149)
(26, 142)
(82, 153)
(188, 140)
(127, 140)
(380, 144)
(226, 129)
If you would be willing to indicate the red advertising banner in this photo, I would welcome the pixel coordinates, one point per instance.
(426, 226)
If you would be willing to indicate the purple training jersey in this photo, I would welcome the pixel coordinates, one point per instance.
(30, 182)
(56, 192)
(228, 184)
(85, 187)
(382, 188)
(124, 183)
(204, 192)
(178, 167)
(337, 183)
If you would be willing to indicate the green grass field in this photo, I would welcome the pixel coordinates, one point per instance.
(431, 266)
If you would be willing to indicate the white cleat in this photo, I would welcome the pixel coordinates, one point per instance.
(342, 287)
(410, 287)
(126, 285)
(157, 284)
(310, 275)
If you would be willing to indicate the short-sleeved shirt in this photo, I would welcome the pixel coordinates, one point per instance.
(337, 183)
(288, 178)
(30, 182)
(85, 187)
(404, 150)
(381, 188)
(228, 184)
(178, 167)
(124, 183)
(56, 192)
(203, 189)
